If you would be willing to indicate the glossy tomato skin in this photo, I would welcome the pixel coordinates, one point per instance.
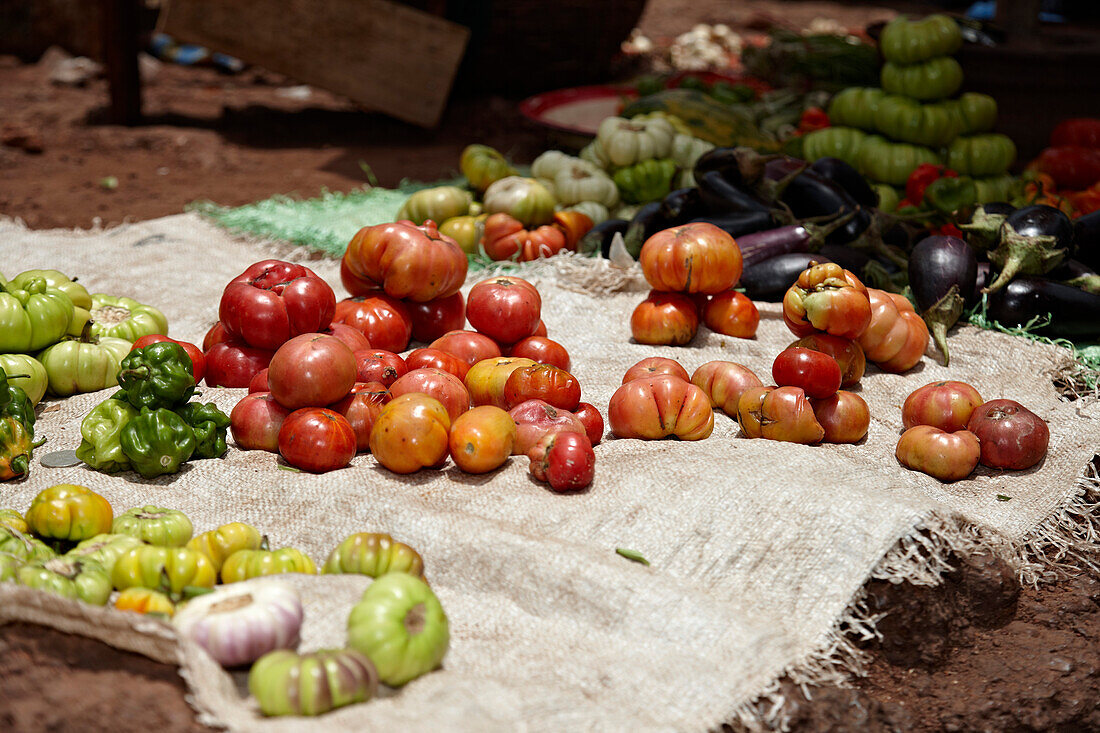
(198, 359)
(668, 319)
(482, 439)
(945, 456)
(470, 346)
(592, 420)
(361, 408)
(844, 417)
(436, 359)
(316, 439)
(732, 314)
(436, 317)
(779, 413)
(487, 378)
(273, 301)
(506, 309)
(256, 420)
(828, 298)
(351, 337)
(411, 433)
(693, 258)
(565, 460)
(946, 405)
(259, 382)
(379, 365)
(897, 336)
(215, 335)
(543, 382)
(234, 363)
(724, 382)
(652, 366)
(540, 329)
(816, 373)
(1011, 435)
(407, 261)
(542, 350)
(382, 319)
(535, 419)
(443, 386)
(848, 354)
(651, 408)
(311, 370)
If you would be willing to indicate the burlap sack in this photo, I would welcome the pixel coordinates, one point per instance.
(759, 549)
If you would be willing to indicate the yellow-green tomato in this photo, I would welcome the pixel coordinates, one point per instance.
(438, 204)
(524, 198)
(934, 124)
(936, 78)
(157, 526)
(84, 580)
(168, 569)
(400, 625)
(105, 549)
(13, 519)
(977, 112)
(483, 166)
(218, 544)
(9, 563)
(466, 230)
(69, 512)
(32, 316)
(23, 546)
(54, 279)
(27, 373)
(905, 41)
(78, 366)
(125, 318)
(374, 554)
(285, 683)
(245, 564)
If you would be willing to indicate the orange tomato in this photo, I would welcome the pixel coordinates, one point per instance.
(482, 439)
(144, 600)
(827, 298)
(657, 407)
(411, 433)
(779, 413)
(486, 379)
(897, 336)
(405, 260)
(731, 313)
(693, 258)
(669, 319)
(725, 382)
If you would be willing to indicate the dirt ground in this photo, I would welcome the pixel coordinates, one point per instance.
(978, 653)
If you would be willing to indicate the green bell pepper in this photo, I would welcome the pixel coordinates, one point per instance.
(887, 162)
(985, 155)
(833, 142)
(855, 107)
(905, 41)
(157, 442)
(948, 195)
(210, 425)
(977, 112)
(936, 78)
(159, 375)
(15, 403)
(16, 446)
(648, 180)
(32, 316)
(125, 318)
(101, 432)
(906, 120)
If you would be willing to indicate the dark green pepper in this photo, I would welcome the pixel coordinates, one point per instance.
(948, 195)
(16, 446)
(906, 120)
(936, 78)
(101, 432)
(210, 425)
(649, 180)
(15, 403)
(157, 442)
(159, 375)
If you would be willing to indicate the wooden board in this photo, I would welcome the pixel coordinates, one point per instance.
(384, 55)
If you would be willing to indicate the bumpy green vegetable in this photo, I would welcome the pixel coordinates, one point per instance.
(981, 155)
(23, 546)
(977, 112)
(438, 203)
(32, 316)
(948, 195)
(124, 318)
(856, 107)
(9, 563)
(155, 525)
(936, 78)
(210, 425)
(85, 580)
(157, 442)
(905, 41)
(105, 549)
(16, 447)
(648, 180)
(15, 403)
(100, 433)
(285, 683)
(833, 142)
(887, 162)
(933, 124)
(159, 375)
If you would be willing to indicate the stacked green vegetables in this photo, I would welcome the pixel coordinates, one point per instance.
(914, 119)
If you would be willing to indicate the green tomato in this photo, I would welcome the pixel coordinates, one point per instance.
(76, 366)
(887, 162)
(9, 563)
(466, 230)
(32, 316)
(69, 512)
(27, 373)
(105, 549)
(888, 197)
(524, 198)
(374, 554)
(245, 564)
(84, 580)
(438, 204)
(400, 625)
(905, 41)
(23, 546)
(163, 527)
(833, 142)
(855, 107)
(997, 188)
(646, 181)
(936, 78)
(168, 569)
(483, 166)
(981, 156)
(977, 112)
(76, 292)
(285, 683)
(933, 125)
(125, 318)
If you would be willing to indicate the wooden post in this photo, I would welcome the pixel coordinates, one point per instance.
(120, 50)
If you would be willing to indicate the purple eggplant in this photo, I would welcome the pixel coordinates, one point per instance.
(1033, 241)
(598, 238)
(769, 280)
(739, 223)
(942, 273)
(983, 227)
(809, 195)
(848, 178)
(1086, 231)
(1073, 313)
(981, 282)
(719, 196)
(805, 237)
(647, 221)
(681, 206)
(739, 166)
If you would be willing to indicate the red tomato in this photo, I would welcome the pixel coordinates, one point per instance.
(651, 408)
(436, 317)
(317, 439)
(259, 382)
(827, 298)
(542, 382)
(945, 456)
(542, 350)
(411, 433)
(421, 358)
(443, 386)
(234, 363)
(482, 439)
(198, 360)
(351, 337)
(848, 354)
(361, 408)
(732, 314)
(592, 420)
(816, 373)
(256, 420)
(945, 405)
(215, 335)
(724, 382)
(273, 301)
(385, 321)
(311, 370)
(470, 346)
(779, 413)
(845, 417)
(506, 309)
(693, 258)
(1071, 166)
(1011, 435)
(405, 260)
(669, 319)
(653, 366)
(564, 460)
(535, 419)
(540, 330)
(379, 365)
(1083, 131)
